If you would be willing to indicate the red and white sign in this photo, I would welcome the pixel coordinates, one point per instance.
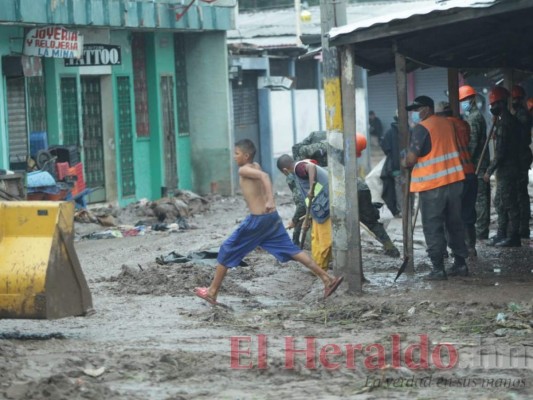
(53, 41)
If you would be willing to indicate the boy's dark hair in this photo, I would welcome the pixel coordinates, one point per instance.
(247, 146)
(285, 161)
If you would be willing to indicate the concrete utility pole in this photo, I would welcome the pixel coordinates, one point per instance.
(340, 124)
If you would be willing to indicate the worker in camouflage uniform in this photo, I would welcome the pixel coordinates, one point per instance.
(313, 147)
(296, 220)
(478, 137)
(507, 166)
(369, 215)
(521, 113)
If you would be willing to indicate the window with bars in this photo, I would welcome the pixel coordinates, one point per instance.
(181, 85)
(125, 136)
(69, 105)
(140, 85)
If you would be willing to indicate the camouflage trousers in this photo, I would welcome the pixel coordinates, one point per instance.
(506, 204)
(482, 209)
(523, 203)
(369, 215)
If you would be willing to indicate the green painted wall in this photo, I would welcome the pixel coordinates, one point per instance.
(55, 70)
(209, 110)
(160, 62)
(158, 14)
(53, 101)
(141, 146)
(184, 163)
(203, 157)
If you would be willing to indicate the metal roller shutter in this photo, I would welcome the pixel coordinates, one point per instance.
(432, 82)
(16, 125)
(382, 97)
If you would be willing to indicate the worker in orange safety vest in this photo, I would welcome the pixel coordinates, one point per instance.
(437, 175)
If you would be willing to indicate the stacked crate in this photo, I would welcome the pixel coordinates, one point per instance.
(79, 181)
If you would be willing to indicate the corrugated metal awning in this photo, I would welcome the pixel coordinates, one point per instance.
(466, 34)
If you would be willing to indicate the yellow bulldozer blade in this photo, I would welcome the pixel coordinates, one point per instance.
(40, 274)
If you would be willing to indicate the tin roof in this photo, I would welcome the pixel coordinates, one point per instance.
(466, 34)
(278, 27)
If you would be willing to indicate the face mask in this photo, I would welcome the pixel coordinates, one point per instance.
(466, 106)
(415, 117)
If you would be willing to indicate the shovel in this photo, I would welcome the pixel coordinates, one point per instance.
(407, 203)
(402, 267)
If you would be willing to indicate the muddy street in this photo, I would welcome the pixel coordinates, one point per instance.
(151, 338)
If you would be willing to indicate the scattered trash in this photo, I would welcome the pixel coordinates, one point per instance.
(514, 307)
(160, 227)
(108, 234)
(95, 373)
(411, 311)
(106, 220)
(497, 270)
(135, 231)
(183, 223)
(85, 216)
(496, 284)
(208, 257)
(501, 317)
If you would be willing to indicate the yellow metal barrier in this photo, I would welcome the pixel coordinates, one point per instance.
(40, 274)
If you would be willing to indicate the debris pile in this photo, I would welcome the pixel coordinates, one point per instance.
(169, 214)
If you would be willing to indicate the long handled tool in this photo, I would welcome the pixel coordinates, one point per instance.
(486, 145)
(406, 258)
(406, 213)
(307, 219)
(416, 213)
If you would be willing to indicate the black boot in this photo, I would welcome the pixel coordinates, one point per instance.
(437, 274)
(459, 267)
(471, 240)
(496, 239)
(513, 241)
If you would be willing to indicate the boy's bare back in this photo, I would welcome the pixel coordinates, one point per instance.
(256, 189)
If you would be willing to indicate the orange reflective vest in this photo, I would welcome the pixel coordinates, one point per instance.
(462, 134)
(442, 165)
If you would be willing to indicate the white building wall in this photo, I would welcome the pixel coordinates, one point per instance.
(307, 119)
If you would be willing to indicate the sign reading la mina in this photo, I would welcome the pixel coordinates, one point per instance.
(53, 41)
(96, 55)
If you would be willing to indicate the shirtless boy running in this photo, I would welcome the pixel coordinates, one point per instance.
(263, 227)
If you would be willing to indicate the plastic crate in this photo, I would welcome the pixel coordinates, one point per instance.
(69, 154)
(62, 170)
(77, 171)
(38, 141)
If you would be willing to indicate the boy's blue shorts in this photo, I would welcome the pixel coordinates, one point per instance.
(266, 231)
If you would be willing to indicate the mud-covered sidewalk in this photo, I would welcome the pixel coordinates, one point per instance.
(151, 338)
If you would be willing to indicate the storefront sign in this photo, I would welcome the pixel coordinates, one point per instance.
(53, 41)
(96, 55)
